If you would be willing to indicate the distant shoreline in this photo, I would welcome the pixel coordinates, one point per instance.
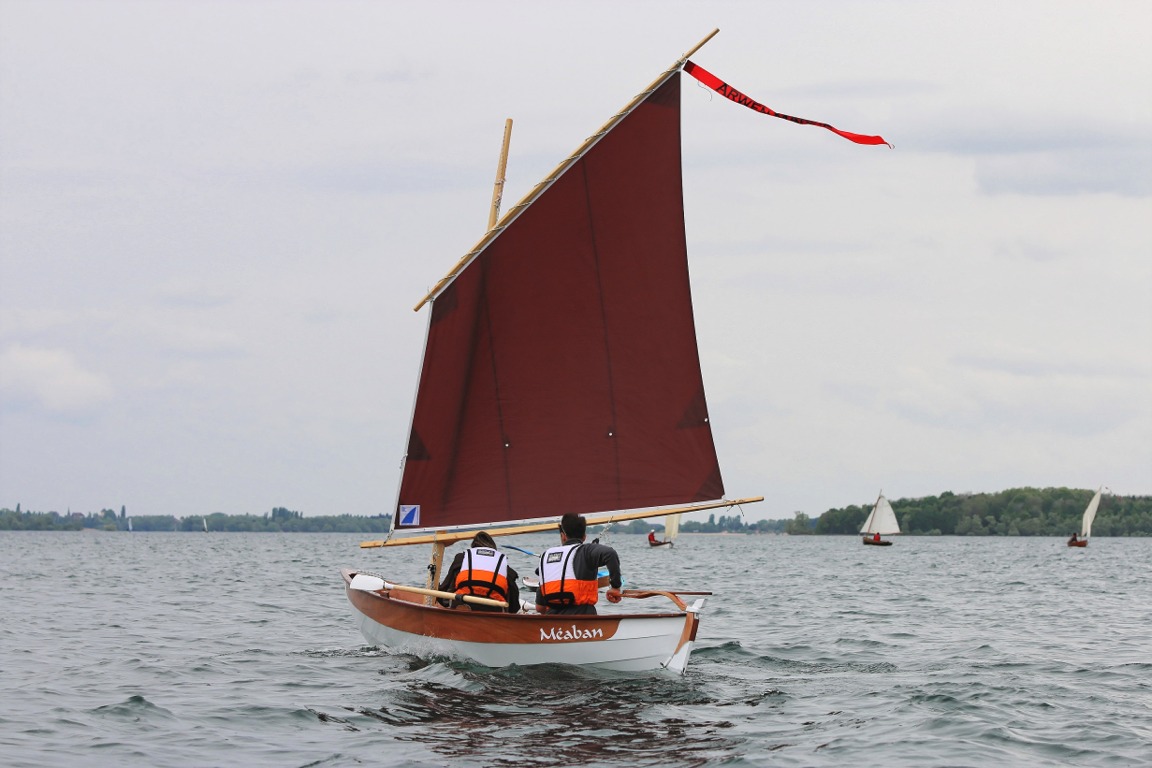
(621, 533)
(1024, 512)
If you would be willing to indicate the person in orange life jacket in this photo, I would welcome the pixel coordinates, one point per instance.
(652, 537)
(483, 571)
(568, 572)
(876, 537)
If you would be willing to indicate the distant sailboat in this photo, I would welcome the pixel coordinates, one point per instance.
(129, 525)
(1086, 522)
(881, 522)
(205, 525)
(671, 530)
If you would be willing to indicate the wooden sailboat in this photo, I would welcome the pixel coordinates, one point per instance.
(560, 374)
(671, 531)
(881, 521)
(1086, 521)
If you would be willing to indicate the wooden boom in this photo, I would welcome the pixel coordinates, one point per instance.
(451, 537)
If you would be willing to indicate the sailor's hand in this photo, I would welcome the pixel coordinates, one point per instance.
(613, 594)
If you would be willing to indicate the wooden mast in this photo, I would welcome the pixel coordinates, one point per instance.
(563, 166)
(436, 562)
(498, 187)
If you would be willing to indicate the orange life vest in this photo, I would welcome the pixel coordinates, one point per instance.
(483, 573)
(558, 582)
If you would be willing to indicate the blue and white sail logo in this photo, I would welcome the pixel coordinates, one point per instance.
(409, 514)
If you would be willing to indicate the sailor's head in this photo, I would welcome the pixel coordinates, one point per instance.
(483, 539)
(573, 526)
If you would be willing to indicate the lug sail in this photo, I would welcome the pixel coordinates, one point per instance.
(881, 520)
(671, 527)
(561, 372)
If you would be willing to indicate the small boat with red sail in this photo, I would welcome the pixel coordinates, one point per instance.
(561, 374)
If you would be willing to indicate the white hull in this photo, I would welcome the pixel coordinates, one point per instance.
(621, 642)
(638, 646)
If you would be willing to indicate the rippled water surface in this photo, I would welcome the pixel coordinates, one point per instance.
(240, 649)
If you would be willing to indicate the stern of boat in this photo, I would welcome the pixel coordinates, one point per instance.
(622, 642)
(679, 660)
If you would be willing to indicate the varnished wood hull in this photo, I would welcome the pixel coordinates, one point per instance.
(1078, 543)
(873, 542)
(624, 642)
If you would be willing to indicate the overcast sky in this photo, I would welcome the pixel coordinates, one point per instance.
(216, 217)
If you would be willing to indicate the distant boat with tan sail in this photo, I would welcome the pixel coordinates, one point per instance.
(881, 521)
(1086, 521)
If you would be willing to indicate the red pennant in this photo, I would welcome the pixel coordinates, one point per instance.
(730, 93)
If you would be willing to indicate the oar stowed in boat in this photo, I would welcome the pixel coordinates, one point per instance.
(370, 583)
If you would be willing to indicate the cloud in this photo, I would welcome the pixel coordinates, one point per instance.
(1038, 151)
(1034, 365)
(193, 294)
(51, 379)
(220, 218)
(1025, 397)
(1120, 170)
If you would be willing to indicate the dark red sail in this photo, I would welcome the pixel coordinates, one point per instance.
(561, 372)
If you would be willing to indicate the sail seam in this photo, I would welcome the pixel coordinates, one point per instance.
(613, 427)
(504, 439)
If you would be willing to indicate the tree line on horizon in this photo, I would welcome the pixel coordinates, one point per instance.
(279, 520)
(1014, 512)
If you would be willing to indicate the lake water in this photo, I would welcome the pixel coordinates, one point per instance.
(241, 649)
